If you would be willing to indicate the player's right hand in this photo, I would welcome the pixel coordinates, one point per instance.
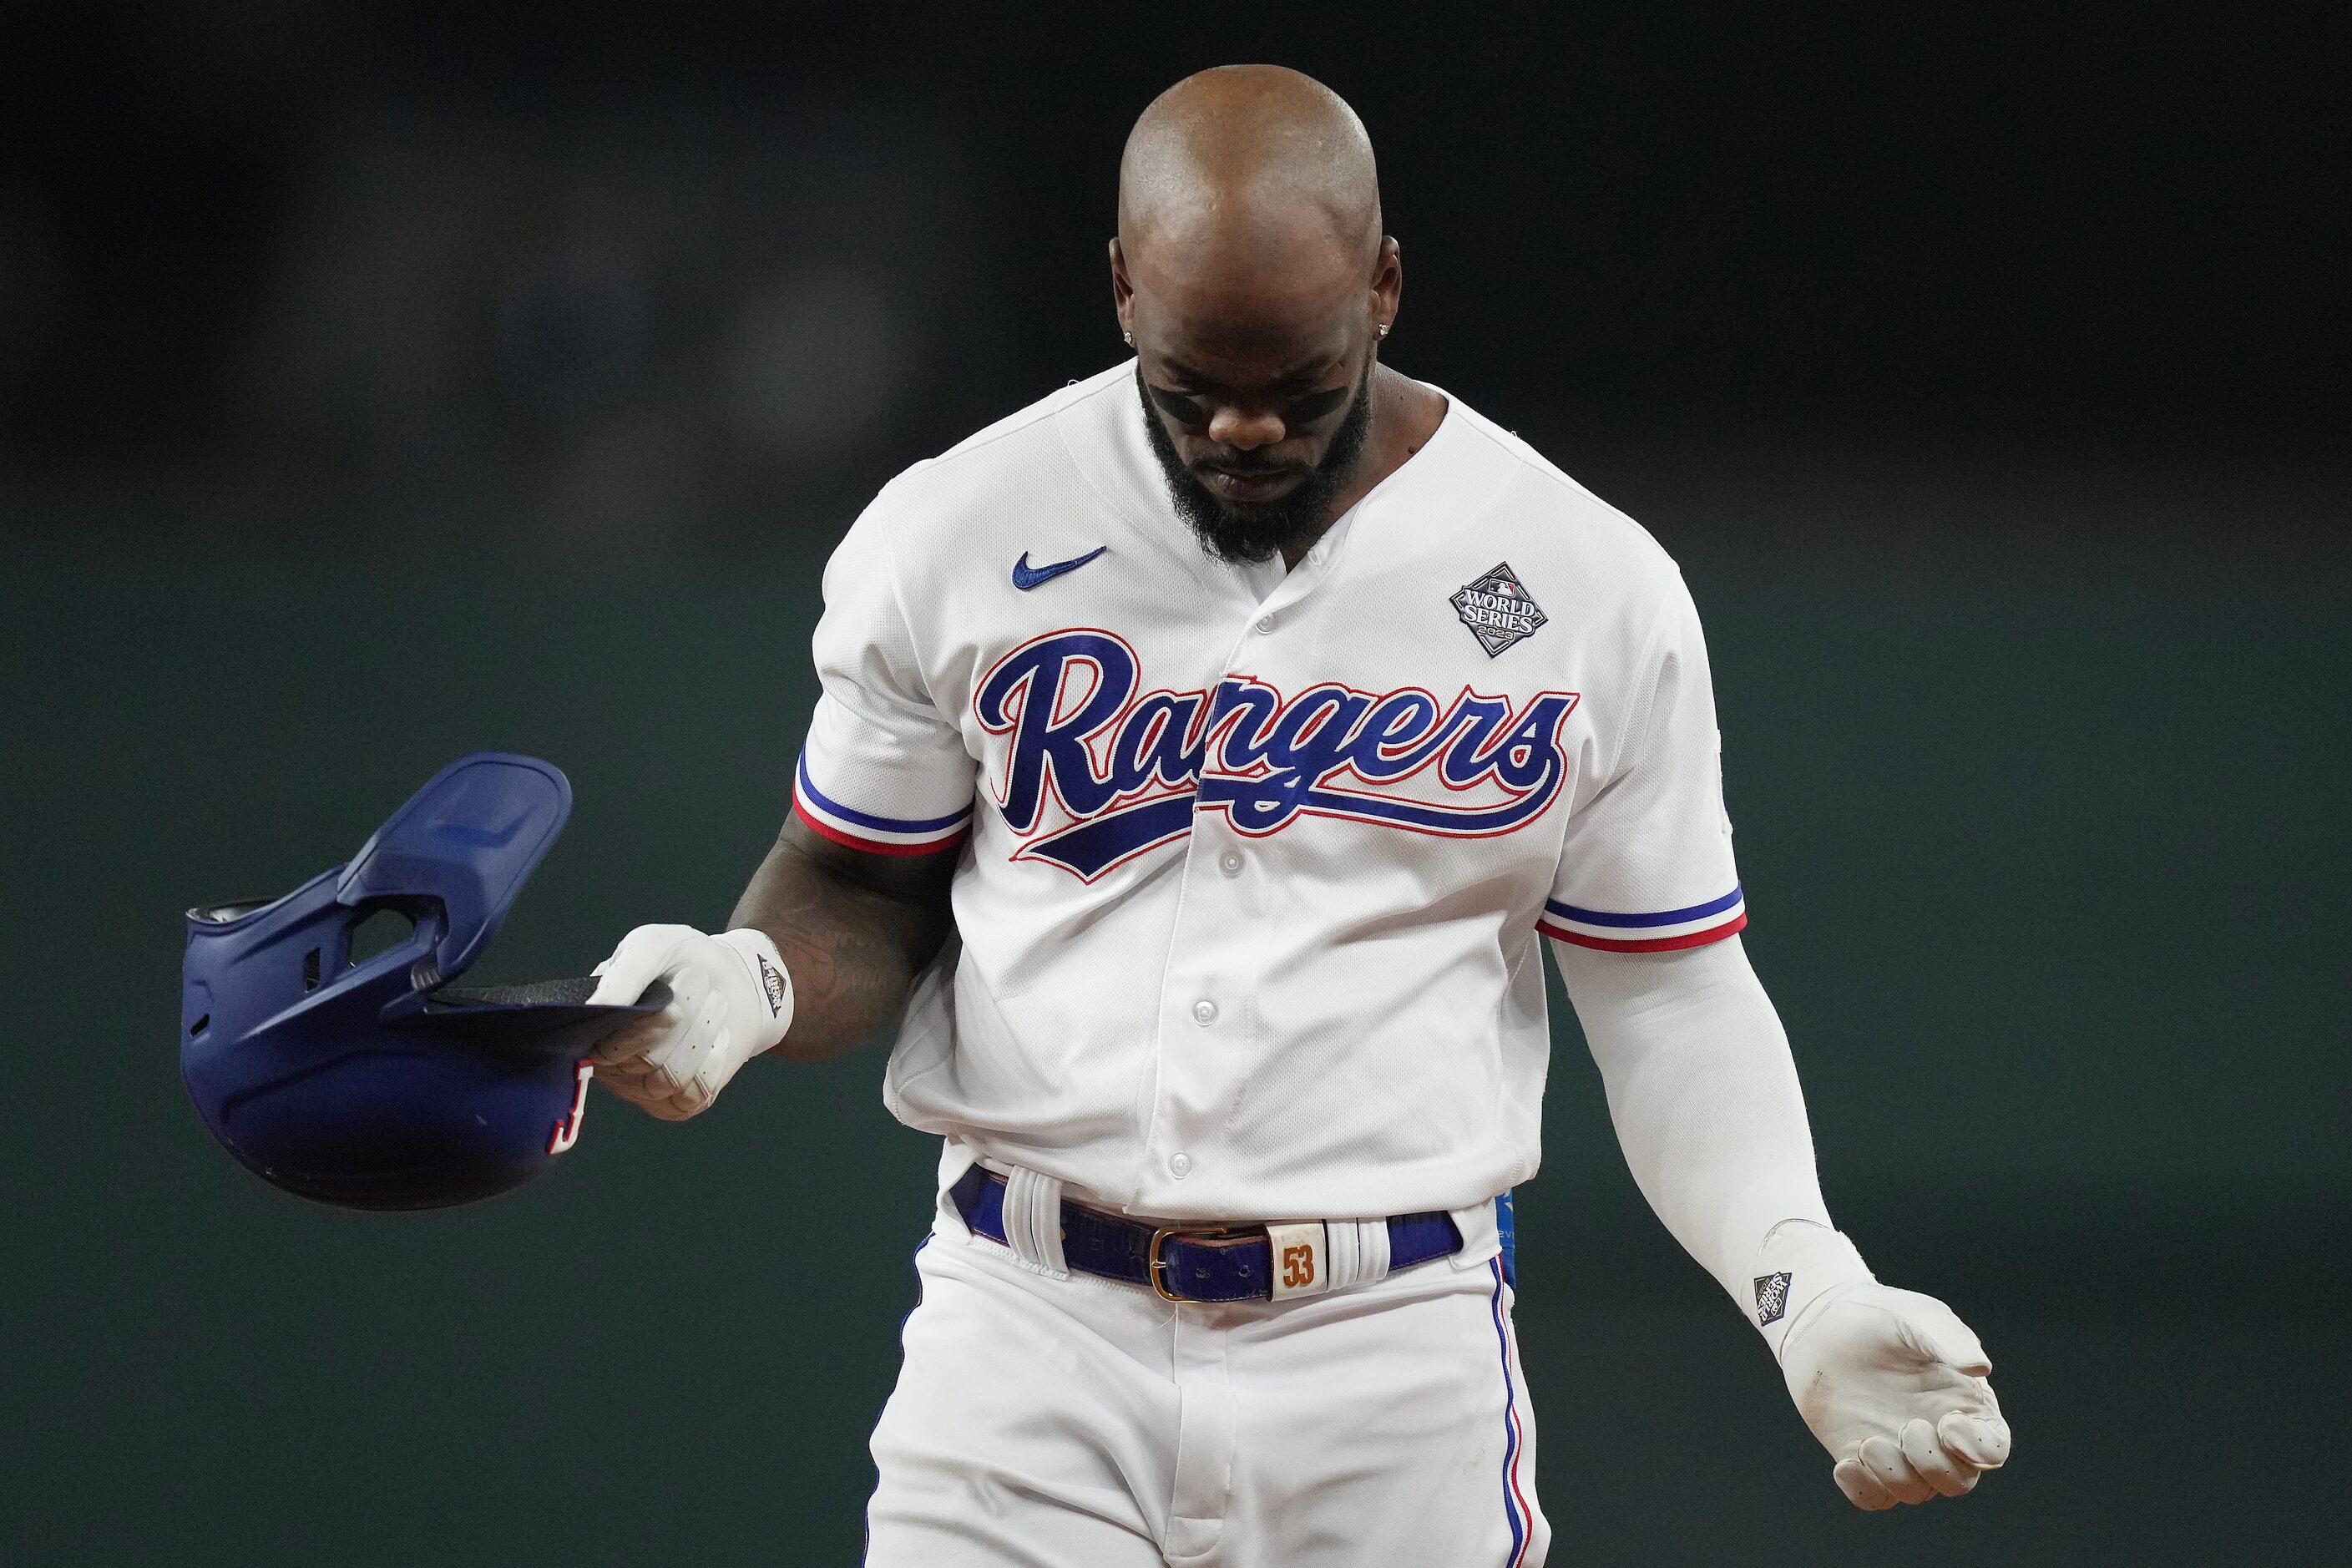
(731, 1000)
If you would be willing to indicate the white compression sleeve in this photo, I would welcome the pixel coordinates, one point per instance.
(1704, 1094)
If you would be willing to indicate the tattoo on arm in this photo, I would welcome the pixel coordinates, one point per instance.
(854, 931)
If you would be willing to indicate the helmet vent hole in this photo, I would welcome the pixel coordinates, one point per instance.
(310, 970)
(382, 931)
(199, 1025)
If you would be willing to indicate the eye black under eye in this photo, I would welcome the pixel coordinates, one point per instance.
(1180, 408)
(1320, 405)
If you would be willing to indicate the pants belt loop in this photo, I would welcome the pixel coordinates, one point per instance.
(1372, 1237)
(1359, 1251)
(1341, 1253)
(1032, 1221)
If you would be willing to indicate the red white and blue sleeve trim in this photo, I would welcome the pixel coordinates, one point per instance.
(1663, 932)
(873, 833)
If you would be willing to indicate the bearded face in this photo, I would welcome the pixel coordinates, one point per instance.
(1238, 530)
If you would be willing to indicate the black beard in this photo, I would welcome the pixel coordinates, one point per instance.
(1238, 533)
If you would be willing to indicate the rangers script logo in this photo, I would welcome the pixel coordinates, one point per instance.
(1097, 771)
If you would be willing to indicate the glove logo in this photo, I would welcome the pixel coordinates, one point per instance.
(771, 981)
(1772, 1297)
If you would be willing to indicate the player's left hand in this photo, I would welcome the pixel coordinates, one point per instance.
(1894, 1384)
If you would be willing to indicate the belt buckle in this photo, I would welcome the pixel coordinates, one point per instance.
(1157, 1267)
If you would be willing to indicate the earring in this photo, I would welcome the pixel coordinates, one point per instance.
(1384, 329)
(1129, 337)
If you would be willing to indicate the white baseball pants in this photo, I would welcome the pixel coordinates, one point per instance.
(1082, 1423)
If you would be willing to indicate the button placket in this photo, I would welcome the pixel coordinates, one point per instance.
(1313, 569)
(1171, 1115)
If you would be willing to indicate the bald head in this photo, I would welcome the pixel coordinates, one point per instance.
(1250, 165)
(1251, 276)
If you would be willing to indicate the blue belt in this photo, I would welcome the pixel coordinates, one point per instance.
(1185, 1262)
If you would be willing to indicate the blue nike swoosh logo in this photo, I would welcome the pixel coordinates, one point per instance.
(1026, 576)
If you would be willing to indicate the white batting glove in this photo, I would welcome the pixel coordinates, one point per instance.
(1890, 1381)
(731, 1000)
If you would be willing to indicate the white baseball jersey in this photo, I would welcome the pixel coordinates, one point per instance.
(1256, 860)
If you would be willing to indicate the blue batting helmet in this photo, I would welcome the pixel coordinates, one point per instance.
(373, 1083)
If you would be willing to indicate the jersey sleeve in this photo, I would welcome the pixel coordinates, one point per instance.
(1647, 866)
(883, 770)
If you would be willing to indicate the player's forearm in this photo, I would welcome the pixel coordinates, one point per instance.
(1704, 1095)
(853, 948)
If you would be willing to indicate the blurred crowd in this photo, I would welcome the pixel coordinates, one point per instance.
(601, 278)
(581, 330)
(616, 326)
(274, 269)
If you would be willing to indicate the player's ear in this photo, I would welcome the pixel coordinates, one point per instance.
(1388, 279)
(1122, 292)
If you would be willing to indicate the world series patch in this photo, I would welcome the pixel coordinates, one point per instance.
(1497, 609)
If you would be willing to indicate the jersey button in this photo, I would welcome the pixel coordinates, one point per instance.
(1204, 1011)
(1265, 625)
(1180, 1164)
(1229, 862)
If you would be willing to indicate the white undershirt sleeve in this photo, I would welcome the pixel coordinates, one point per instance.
(1704, 1094)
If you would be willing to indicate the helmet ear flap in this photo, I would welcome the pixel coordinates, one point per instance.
(467, 841)
(402, 932)
(375, 932)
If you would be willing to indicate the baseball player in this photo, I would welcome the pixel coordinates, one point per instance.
(1203, 752)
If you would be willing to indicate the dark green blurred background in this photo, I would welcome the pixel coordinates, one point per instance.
(384, 382)
(2046, 882)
